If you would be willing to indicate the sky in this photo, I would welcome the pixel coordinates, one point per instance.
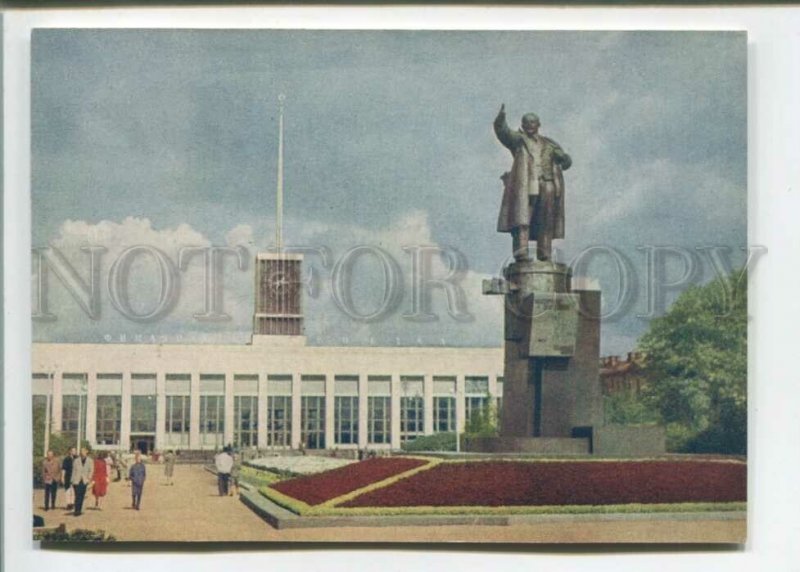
(168, 138)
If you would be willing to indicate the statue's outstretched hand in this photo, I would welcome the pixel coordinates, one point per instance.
(502, 109)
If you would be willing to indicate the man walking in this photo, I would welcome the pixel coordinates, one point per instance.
(66, 477)
(224, 464)
(51, 475)
(137, 474)
(82, 475)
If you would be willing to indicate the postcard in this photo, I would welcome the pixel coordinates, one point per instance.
(389, 285)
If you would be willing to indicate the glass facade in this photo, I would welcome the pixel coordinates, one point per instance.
(411, 418)
(143, 414)
(245, 419)
(212, 415)
(341, 397)
(279, 421)
(379, 417)
(73, 416)
(176, 419)
(109, 419)
(346, 420)
(444, 414)
(313, 421)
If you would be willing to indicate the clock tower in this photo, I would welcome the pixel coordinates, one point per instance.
(278, 308)
(278, 313)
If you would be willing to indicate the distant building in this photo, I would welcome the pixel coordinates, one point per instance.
(619, 374)
(274, 393)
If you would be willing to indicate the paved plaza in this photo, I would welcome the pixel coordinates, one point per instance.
(191, 510)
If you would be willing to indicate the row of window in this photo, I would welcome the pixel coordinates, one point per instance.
(209, 382)
(245, 418)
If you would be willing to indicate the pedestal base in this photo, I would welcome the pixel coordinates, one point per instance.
(552, 351)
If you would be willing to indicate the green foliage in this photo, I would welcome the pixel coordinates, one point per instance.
(627, 408)
(697, 367)
(60, 534)
(485, 421)
(435, 442)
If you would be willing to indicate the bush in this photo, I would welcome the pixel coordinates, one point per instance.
(436, 442)
(78, 535)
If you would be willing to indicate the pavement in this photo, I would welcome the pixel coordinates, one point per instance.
(192, 510)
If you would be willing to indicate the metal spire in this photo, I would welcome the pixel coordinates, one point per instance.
(279, 198)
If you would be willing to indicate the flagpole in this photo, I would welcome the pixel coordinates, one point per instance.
(279, 197)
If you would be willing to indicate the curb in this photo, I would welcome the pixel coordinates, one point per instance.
(281, 518)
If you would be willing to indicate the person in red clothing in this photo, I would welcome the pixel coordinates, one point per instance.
(100, 480)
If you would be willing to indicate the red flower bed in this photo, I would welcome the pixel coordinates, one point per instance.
(509, 483)
(316, 489)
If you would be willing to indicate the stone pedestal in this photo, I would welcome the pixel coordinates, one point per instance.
(552, 348)
(552, 398)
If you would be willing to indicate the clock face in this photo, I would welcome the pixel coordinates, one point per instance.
(278, 282)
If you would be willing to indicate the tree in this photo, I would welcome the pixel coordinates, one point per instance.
(697, 367)
(484, 421)
(628, 408)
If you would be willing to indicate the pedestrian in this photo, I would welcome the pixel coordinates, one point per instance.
(82, 477)
(169, 467)
(224, 464)
(66, 477)
(137, 474)
(51, 475)
(235, 469)
(100, 479)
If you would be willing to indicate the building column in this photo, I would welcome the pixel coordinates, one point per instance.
(297, 417)
(263, 401)
(363, 411)
(58, 403)
(493, 386)
(461, 409)
(427, 404)
(227, 434)
(161, 411)
(194, 411)
(125, 413)
(330, 401)
(395, 405)
(91, 408)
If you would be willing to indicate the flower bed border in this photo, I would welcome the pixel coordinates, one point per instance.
(302, 509)
(330, 508)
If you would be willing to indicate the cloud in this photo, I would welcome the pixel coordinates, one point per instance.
(387, 144)
(327, 321)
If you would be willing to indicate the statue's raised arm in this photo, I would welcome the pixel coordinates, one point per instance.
(507, 137)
